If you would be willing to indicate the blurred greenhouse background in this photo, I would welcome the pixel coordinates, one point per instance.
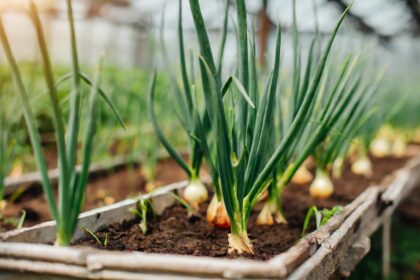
(129, 30)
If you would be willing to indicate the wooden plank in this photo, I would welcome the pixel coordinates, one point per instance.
(178, 265)
(299, 253)
(44, 268)
(347, 246)
(327, 259)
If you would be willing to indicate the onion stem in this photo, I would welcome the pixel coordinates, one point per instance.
(338, 167)
(272, 210)
(3, 204)
(271, 213)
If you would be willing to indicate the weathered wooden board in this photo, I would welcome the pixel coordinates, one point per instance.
(340, 253)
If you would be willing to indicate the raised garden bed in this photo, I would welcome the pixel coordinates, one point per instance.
(335, 248)
(255, 128)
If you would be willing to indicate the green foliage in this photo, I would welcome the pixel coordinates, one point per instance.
(191, 211)
(16, 222)
(359, 97)
(121, 87)
(143, 210)
(96, 237)
(12, 128)
(403, 101)
(6, 154)
(21, 220)
(245, 155)
(321, 217)
(194, 121)
(72, 184)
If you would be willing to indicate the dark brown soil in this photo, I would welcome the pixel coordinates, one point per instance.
(173, 232)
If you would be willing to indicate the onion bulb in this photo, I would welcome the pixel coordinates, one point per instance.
(380, 147)
(195, 193)
(302, 176)
(271, 213)
(416, 138)
(150, 186)
(3, 204)
(362, 166)
(399, 147)
(109, 200)
(321, 187)
(217, 214)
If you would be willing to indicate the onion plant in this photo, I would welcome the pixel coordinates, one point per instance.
(10, 138)
(321, 216)
(377, 140)
(330, 124)
(241, 124)
(196, 192)
(328, 110)
(380, 137)
(72, 184)
(400, 128)
(358, 98)
(196, 124)
(375, 136)
(6, 157)
(128, 143)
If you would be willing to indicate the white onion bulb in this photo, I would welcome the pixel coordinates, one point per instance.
(302, 176)
(321, 187)
(363, 167)
(399, 147)
(270, 214)
(380, 147)
(195, 193)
